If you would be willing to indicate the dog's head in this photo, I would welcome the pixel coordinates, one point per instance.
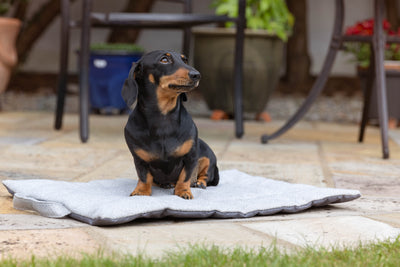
(161, 74)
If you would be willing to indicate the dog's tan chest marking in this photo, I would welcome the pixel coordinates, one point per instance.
(183, 149)
(145, 155)
(166, 99)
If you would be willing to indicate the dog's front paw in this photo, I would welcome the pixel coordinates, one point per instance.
(142, 189)
(185, 194)
(201, 184)
(140, 193)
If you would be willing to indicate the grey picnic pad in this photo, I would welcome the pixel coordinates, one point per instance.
(108, 202)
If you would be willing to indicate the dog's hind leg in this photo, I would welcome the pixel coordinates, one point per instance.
(202, 177)
(208, 170)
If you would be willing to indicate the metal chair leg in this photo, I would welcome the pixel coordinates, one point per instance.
(84, 72)
(319, 84)
(186, 41)
(378, 43)
(238, 70)
(187, 32)
(367, 96)
(63, 72)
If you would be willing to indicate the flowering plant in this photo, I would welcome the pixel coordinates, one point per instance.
(362, 51)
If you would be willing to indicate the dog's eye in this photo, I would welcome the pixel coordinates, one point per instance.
(184, 59)
(165, 60)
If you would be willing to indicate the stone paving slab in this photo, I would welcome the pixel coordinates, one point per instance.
(315, 153)
(368, 205)
(6, 206)
(293, 173)
(157, 238)
(369, 185)
(46, 243)
(392, 219)
(57, 163)
(395, 136)
(328, 232)
(297, 162)
(120, 166)
(35, 222)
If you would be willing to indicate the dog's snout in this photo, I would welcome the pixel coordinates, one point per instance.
(194, 75)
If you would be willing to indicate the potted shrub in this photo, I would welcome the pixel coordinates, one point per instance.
(362, 53)
(268, 25)
(109, 67)
(9, 29)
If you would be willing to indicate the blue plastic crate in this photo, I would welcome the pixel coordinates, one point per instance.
(107, 74)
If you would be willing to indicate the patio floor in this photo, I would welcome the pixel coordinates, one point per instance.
(315, 153)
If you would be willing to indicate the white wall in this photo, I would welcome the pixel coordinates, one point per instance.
(45, 53)
(44, 56)
(320, 26)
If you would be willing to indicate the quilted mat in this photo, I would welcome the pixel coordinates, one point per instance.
(108, 202)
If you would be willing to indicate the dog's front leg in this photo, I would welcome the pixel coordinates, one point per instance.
(182, 187)
(143, 187)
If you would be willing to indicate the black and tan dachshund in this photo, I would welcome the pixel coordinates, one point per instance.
(160, 133)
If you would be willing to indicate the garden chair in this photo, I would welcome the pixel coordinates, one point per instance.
(378, 40)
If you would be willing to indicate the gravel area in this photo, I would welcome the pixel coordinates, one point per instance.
(335, 108)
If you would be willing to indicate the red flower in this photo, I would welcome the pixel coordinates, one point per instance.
(386, 25)
(366, 27)
(368, 24)
(362, 51)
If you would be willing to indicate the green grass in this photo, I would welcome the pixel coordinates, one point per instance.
(381, 254)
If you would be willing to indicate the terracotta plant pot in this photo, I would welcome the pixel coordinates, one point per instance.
(214, 56)
(9, 29)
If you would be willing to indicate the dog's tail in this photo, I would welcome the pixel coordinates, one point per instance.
(215, 179)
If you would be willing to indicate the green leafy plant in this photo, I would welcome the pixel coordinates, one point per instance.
(270, 15)
(131, 48)
(5, 6)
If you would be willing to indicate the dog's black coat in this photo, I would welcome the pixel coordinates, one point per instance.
(160, 133)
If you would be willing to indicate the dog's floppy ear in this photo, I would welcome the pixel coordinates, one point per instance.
(129, 90)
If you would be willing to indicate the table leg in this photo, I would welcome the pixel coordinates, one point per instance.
(84, 72)
(238, 70)
(367, 96)
(378, 43)
(63, 74)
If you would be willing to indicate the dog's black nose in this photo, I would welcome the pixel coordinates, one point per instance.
(194, 75)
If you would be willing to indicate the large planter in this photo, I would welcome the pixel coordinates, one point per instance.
(392, 71)
(214, 57)
(107, 73)
(9, 29)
